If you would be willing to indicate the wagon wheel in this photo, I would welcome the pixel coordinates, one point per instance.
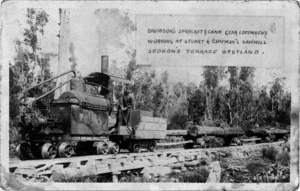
(49, 151)
(102, 148)
(272, 138)
(152, 146)
(113, 147)
(65, 150)
(136, 148)
(24, 151)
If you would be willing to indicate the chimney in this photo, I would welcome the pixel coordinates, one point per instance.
(104, 64)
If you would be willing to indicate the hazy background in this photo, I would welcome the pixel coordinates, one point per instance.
(95, 33)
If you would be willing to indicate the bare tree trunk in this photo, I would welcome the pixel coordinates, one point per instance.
(230, 114)
(206, 116)
(63, 54)
(208, 113)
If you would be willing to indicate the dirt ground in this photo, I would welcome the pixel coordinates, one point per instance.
(252, 169)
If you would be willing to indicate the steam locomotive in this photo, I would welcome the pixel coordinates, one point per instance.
(78, 121)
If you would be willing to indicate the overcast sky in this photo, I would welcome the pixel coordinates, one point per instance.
(84, 36)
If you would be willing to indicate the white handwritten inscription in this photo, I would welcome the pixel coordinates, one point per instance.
(178, 40)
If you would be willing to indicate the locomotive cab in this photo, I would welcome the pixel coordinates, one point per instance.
(97, 84)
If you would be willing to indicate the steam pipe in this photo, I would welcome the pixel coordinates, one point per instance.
(31, 102)
(52, 79)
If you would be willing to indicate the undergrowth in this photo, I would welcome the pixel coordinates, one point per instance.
(80, 178)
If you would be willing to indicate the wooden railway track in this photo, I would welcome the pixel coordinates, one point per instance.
(101, 164)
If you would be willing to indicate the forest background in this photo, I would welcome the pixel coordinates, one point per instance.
(227, 95)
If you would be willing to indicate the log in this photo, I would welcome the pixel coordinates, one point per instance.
(176, 132)
(197, 130)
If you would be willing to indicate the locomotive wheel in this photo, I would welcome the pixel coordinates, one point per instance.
(102, 148)
(188, 145)
(49, 151)
(65, 150)
(24, 151)
(136, 148)
(152, 147)
(113, 147)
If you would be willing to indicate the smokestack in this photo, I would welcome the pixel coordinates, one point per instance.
(104, 64)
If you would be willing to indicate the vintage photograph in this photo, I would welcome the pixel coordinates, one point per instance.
(167, 93)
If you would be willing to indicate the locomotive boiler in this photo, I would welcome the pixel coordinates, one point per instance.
(78, 122)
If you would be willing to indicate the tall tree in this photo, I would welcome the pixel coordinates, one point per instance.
(197, 106)
(233, 93)
(161, 95)
(263, 107)
(245, 110)
(212, 77)
(280, 100)
(131, 65)
(143, 88)
(30, 66)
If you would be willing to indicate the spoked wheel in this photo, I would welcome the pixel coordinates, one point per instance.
(113, 147)
(102, 148)
(136, 148)
(65, 150)
(49, 151)
(24, 151)
(152, 146)
(272, 138)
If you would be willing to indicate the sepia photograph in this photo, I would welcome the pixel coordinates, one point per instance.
(149, 95)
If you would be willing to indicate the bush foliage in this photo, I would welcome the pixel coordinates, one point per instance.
(276, 156)
(269, 153)
(227, 95)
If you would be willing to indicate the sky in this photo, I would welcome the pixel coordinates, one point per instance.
(88, 46)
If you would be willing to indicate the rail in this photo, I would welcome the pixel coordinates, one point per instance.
(101, 164)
